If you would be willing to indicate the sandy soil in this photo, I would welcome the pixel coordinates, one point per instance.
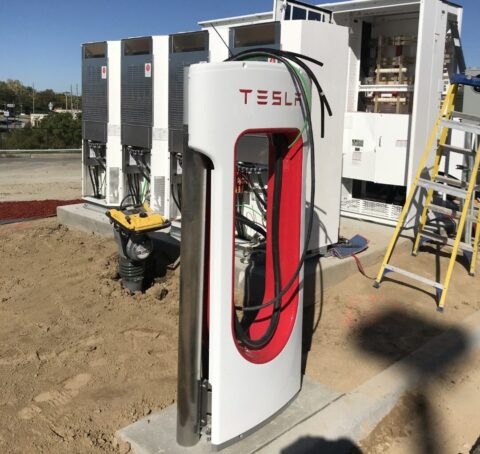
(441, 417)
(361, 330)
(40, 191)
(40, 177)
(80, 358)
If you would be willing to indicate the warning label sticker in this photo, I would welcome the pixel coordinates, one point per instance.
(356, 158)
(148, 70)
(104, 72)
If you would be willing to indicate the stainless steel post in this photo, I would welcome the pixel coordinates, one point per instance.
(192, 276)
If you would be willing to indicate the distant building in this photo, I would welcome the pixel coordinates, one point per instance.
(36, 118)
(74, 112)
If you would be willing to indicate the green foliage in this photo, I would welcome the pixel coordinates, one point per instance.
(13, 91)
(56, 130)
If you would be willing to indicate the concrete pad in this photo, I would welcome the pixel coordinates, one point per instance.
(354, 415)
(156, 433)
(85, 217)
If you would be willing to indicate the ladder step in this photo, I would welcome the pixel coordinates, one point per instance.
(461, 126)
(439, 187)
(447, 148)
(416, 277)
(445, 240)
(454, 214)
(450, 181)
(467, 117)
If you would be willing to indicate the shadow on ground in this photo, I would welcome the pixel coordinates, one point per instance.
(396, 334)
(317, 445)
(310, 320)
(166, 254)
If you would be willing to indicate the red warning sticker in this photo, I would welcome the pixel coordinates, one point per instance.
(104, 72)
(148, 70)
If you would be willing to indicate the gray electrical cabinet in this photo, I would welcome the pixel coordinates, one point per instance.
(246, 37)
(471, 95)
(137, 92)
(152, 73)
(94, 91)
(185, 49)
(94, 118)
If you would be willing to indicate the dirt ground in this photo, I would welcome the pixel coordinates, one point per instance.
(81, 358)
(441, 416)
(367, 329)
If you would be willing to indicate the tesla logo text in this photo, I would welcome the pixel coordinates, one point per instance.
(270, 97)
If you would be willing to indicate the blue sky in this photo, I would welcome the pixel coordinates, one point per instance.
(40, 40)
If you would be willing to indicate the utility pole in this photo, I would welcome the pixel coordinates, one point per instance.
(33, 98)
(71, 98)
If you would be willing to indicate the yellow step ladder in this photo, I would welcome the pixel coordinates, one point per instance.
(434, 183)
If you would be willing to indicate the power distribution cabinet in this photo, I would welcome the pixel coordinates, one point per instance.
(152, 115)
(101, 155)
(176, 52)
(471, 95)
(400, 59)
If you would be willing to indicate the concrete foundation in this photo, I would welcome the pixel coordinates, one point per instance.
(86, 217)
(156, 433)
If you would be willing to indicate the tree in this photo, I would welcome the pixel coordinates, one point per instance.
(63, 130)
(13, 91)
(56, 130)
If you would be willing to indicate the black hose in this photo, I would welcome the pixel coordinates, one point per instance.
(262, 185)
(307, 113)
(275, 317)
(259, 198)
(252, 224)
(101, 163)
(128, 196)
(174, 197)
(142, 167)
(93, 179)
(133, 187)
(144, 160)
(276, 301)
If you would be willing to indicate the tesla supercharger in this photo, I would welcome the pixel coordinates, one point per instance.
(238, 369)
